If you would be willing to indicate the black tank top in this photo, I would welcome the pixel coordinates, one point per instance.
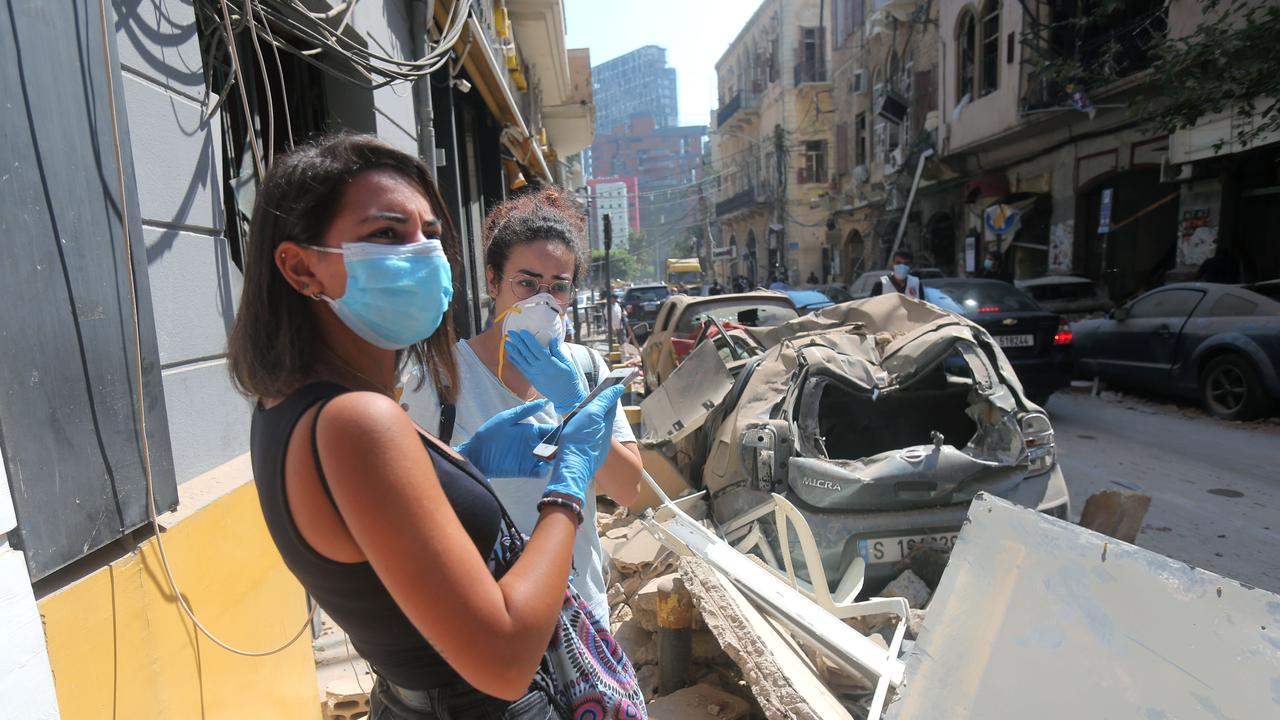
(351, 593)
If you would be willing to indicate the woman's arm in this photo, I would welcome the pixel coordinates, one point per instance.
(493, 633)
(619, 476)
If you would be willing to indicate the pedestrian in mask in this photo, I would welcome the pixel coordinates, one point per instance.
(993, 267)
(533, 254)
(900, 279)
(398, 536)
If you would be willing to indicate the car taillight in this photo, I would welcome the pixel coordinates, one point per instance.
(989, 309)
(1037, 436)
(1063, 336)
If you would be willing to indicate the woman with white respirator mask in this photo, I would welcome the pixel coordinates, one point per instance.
(534, 253)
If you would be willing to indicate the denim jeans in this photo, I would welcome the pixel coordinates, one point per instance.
(457, 702)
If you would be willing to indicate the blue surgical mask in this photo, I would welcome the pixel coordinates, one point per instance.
(988, 264)
(396, 294)
(900, 271)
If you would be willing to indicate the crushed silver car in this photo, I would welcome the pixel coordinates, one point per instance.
(878, 420)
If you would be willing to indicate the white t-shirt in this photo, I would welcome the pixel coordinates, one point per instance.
(615, 316)
(480, 397)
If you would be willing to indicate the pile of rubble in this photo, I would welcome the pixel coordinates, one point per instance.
(639, 569)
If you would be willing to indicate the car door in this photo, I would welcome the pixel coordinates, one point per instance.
(1141, 348)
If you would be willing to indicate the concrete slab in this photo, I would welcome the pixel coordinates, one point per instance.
(1036, 617)
(698, 703)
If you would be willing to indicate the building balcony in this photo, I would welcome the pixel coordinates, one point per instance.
(742, 105)
(737, 202)
(810, 72)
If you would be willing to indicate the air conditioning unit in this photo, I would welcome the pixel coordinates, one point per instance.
(858, 85)
(892, 107)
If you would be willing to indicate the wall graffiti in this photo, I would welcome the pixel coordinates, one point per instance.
(1197, 238)
(1061, 244)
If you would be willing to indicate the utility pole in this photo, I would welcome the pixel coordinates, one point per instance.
(780, 200)
(607, 223)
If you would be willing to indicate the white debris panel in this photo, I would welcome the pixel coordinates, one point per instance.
(1036, 617)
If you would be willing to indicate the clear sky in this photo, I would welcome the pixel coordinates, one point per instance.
(694, 32)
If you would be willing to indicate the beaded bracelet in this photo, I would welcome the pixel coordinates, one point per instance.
(562, 503)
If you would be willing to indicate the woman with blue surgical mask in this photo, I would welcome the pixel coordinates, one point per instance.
(533, 257)
(398, 536)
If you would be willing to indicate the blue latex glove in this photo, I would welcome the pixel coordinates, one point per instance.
(550, 370)
(503, 445)
(584, 444)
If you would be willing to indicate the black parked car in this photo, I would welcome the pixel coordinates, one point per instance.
(641, 302)
(1037, 342)
(1220, 343)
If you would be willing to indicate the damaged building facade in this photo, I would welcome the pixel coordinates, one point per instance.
(1061, 178)
(773, 145)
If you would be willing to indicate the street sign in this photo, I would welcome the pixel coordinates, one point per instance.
(1104, 214)
(724, 253)
(1002, 219)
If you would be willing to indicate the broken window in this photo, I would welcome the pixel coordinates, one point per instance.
(815, 162)
(990, 47)
(811, 66)
(966, 46)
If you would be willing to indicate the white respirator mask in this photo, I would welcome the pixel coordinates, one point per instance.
(541, 315)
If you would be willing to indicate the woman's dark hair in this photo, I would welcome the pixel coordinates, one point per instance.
(273, 345)
(543, 215)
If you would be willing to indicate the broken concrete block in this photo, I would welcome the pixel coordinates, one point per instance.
(908, 585)
(1118, 513)
(647, 680)
(344, 699)
(619, 615)
(637, 642)
(927, 561)
(636, 553)
(644, 603)
(777, 674)
(700, 702)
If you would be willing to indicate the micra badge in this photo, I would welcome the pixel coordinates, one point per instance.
(824, 484)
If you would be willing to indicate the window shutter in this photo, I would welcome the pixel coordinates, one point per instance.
(842, 149)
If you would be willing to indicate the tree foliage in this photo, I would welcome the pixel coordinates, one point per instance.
(1229, 63)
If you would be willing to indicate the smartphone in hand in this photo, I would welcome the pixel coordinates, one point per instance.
(546, 450)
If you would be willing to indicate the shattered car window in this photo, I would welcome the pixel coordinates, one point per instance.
(752, 314)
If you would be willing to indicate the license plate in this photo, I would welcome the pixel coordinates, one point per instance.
(1016, 340)
(650, 306)
(893, 549)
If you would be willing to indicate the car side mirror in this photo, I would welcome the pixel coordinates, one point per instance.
(1120, 314)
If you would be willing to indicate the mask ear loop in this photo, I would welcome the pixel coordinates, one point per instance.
(502, 345)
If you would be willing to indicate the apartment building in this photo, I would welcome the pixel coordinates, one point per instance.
(773, 145)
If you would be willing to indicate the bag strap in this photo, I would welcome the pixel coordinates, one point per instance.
(586, 362)
(448, 414)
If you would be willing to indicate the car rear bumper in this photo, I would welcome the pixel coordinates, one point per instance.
(1046, 492)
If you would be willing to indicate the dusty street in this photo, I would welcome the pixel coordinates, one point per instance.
(1215, 486)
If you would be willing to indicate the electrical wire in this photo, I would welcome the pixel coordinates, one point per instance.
(244, 95)
(139, 395)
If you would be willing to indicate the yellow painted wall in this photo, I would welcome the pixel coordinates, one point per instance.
(121, 647)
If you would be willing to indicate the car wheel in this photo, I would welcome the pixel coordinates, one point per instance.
(1231, 389)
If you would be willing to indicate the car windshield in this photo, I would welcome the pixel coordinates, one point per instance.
(650, 294)
(754, 312)
(837, 294)
(976, 298)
